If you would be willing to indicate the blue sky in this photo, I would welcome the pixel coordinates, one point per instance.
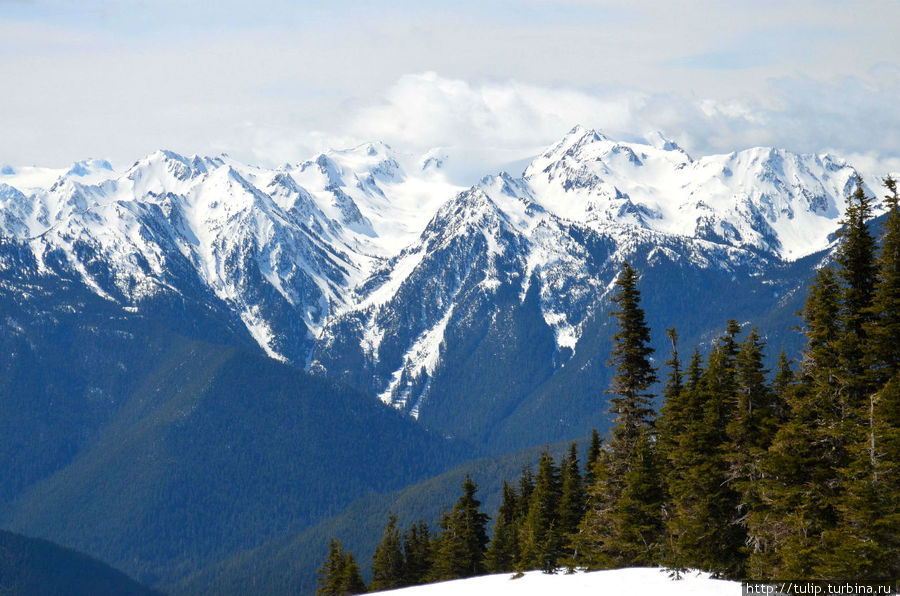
(272, 81)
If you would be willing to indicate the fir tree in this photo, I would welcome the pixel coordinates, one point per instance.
(388, 569)
(672, 420)
(751, 429)
(503, 551)
(630, 358)
(339, 574)
(670, 426)
(572, 496)
(864, 541)
(526, 487)
(883, 331)
(592, 455)
(622, 525)
(857, 270)
(540, 534)
(800, 480)
(461, 547)
(703, 524)
(417, 553)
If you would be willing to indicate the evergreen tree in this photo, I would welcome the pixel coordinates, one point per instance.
(630, 358)
(540, 535)
(339, 574)
(672, 414)
(623, 523)
(388, 569)
(572, 496)
(857, 270)
(526, 487)
(782, 383)
(461, 547)
(800, 479)
(503, 551)
(670, 426)
(751, 428)
(864, 542)
(705, 506)
(417, 554)
(592, 455)
(883, 331)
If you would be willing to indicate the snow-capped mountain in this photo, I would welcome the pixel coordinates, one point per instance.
(369, 266)
(283, 248)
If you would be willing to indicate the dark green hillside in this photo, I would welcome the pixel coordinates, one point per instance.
(288, 564)
(218, 451)
(35, 567)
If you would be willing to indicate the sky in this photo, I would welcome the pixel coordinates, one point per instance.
(490, 81)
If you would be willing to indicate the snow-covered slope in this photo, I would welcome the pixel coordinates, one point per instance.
(761, 198)
(368, 265)
(634, 582)
(283, 248)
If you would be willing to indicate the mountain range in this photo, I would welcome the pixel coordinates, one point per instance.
(192, 343)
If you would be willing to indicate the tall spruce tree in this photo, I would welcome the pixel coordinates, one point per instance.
(388, 566)
(864, 541)
(800, 471)
(883, 331)
(672, 414)
(503, 551)
(751, 429)
(593, 454)
(463, 540)
(540, 534)
(705, 507)
(417, 553)
(630, 357)
(339, 574)
(623, 523)
(571, 500)
(857, 270)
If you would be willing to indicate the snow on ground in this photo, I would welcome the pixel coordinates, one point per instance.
(633, 582)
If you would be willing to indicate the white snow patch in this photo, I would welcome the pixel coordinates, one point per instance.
(261, 332)
(632, 581)
(422, 358)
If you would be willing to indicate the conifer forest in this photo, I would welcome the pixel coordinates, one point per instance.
(714, 462)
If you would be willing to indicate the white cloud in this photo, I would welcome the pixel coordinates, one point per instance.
(486, 125)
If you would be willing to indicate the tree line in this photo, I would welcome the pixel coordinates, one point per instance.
(743, 473)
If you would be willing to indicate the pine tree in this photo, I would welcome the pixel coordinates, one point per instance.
(671, 422)
(540, 534)
(630, 358)
(623, 523)
(572, 498)
(417, 553)
(461, 547)
(800, 484)
(703, 524)
(388, 569)
(339, 574)
(526, 487)
(592, 455)
(781, 385)
(503, 551)
(751, 428)
(864, 541)
(670, 426)
(883, 331)
(857, 270)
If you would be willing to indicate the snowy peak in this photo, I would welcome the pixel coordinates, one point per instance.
(763, 199)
